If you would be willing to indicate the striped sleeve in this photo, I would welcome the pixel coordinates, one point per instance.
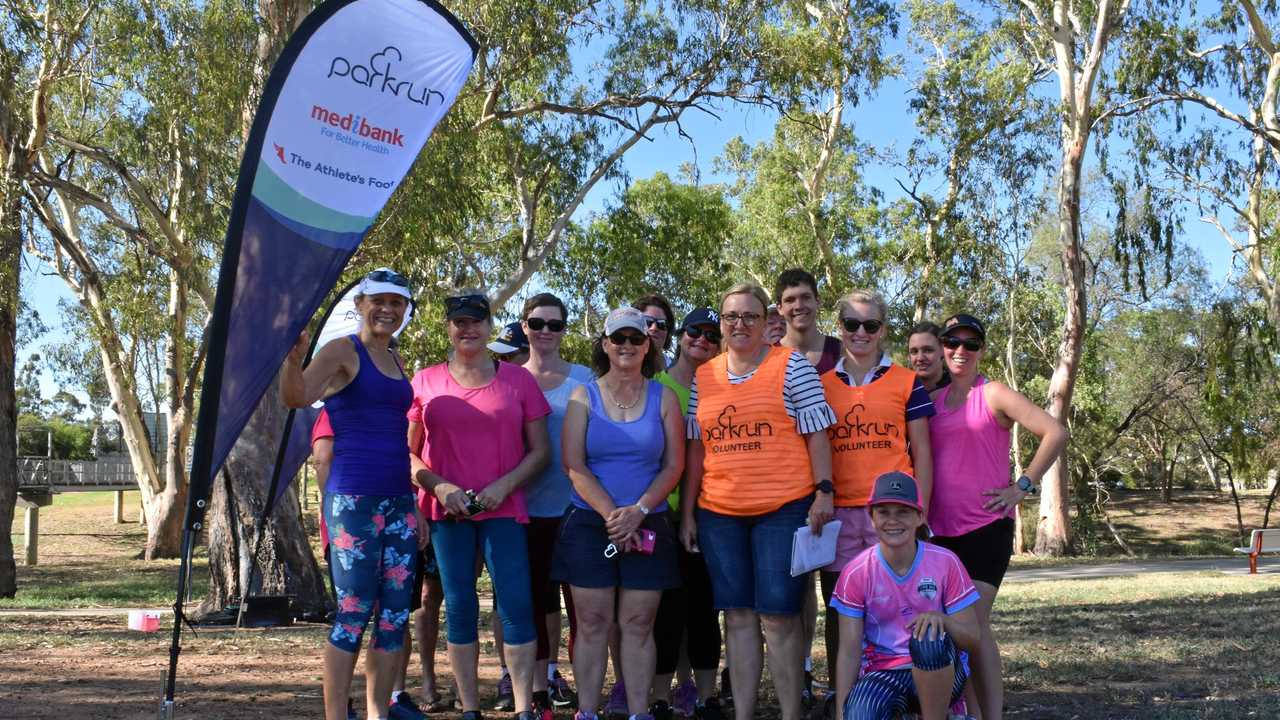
(919, 405)
(803, 397)
(691, 429)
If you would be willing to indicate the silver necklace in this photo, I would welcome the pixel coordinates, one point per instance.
(613, 396)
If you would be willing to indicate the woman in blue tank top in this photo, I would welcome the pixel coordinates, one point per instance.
(623, 448)
(368, 498)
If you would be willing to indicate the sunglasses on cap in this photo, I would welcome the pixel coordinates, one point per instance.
(851, 325)
(388, 276)
(970, 344)
(459, 302)
(537, 324)
(622, 338)
(655, 322)
(695, 332)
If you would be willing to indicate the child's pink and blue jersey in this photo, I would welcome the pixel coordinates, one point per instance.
(869, 589)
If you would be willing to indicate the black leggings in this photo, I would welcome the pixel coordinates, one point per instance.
(688, 610)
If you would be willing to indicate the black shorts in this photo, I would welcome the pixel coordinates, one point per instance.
(984, 552)
(580, 560)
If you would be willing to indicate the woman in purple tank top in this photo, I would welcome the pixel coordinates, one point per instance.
(368, 498)
(971, 512)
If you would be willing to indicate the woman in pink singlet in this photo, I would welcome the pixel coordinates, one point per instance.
(971, 513)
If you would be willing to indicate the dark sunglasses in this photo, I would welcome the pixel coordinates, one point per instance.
(695, 332)
(851, 325)
(388, 276)
(622, 338)
(655, 322)
(537, 324)
(458, 302)
(970, 344)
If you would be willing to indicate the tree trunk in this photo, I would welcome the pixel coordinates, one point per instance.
(1053, 534)
(10, 263)
(1212, 470)
(285, 563)
(1167, 471)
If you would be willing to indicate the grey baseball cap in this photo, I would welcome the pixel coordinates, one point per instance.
(898, 488)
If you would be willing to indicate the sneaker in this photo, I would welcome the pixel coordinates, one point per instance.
(726, 690)
(685, 698)
(506, 701)
(562, 695)
(532, 715)
(579, 715)
(660, 710)
(806, 692)
(829, 707)
(471, 715)
(404, 708)
(708, 710)
(351, 710)
(617, 704)
(542, 709)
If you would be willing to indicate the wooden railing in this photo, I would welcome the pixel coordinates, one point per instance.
(48, 475)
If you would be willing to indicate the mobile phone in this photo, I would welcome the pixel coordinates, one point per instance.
(473, 505)
(648, 539)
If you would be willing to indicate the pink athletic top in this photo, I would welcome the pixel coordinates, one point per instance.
(970, 455)
(869, 589)
(473, 436)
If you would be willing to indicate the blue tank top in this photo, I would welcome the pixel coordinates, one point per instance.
(625, 456)
(370, 432)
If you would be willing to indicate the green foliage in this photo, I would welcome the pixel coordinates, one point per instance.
(71, 440)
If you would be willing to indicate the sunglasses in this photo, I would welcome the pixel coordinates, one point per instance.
(655, 322)
(622, 338)
(388, 276)
(458, 302)
(970, 344)
(537, 324)
(712, 336)
(851, 325)
(747, 319)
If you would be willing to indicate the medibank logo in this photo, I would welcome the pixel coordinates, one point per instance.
(357, 125)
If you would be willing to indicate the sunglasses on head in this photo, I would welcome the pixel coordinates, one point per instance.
(458, 302)
(970, 344)
(388, 276)
(537, 324)
(695, 332)
(622, 338)
(655, 322)
(851, 325)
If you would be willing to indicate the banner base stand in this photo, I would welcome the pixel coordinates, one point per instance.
(165, 709)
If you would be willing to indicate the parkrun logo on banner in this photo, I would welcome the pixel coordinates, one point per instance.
(378, 75)
(870, 435)
(727, 430)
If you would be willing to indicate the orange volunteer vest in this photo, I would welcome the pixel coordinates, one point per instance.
(870, 433)
(755, 461)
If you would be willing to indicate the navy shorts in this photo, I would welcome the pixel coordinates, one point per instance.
(749, 558)
(579, 557)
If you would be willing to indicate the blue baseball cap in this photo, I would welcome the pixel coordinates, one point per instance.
(896, 488)
(700, 316)
(511, 339)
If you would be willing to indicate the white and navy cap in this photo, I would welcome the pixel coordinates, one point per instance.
(385, 280)
(511, 339)
(625, 318)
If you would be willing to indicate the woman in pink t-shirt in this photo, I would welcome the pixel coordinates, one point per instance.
(479, 427)
(971, 512)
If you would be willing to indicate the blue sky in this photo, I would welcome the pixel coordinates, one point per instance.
(882, 120)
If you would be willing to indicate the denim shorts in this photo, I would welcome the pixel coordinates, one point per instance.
(579, 557)
(749, 558)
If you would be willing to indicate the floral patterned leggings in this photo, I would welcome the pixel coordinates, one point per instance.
(373, 546)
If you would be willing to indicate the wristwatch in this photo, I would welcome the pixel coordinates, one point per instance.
(1026, 486)
(825, 486)
(643, 510)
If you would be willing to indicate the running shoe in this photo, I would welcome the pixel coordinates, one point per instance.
(617, 704)
(472, 715)
(562, 695)
(726, 690)
(660, 710)
(404, 708)
(351, 710)
(685, 698)
(506, 701)
(806, 693)
(579, 715)
(708, 710)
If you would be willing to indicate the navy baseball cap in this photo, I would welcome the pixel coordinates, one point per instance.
(961, 320)
(511, 339)
(898, 488)
(700, 316)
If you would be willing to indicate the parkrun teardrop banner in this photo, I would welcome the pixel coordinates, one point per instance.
(349, 105)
